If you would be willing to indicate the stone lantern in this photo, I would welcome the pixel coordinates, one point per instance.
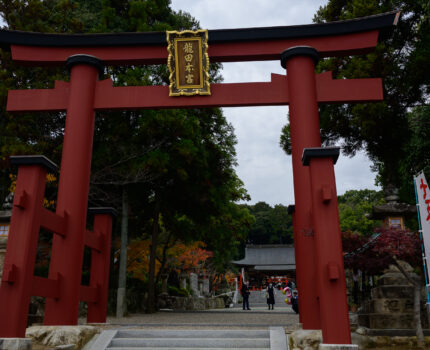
(393, 213)
(391, 303)
(183, 280)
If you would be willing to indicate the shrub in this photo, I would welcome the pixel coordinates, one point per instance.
(177, 292)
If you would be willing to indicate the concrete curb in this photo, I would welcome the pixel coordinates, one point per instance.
(278, 339)
(337, 347)
(185, 325)
(103, 340)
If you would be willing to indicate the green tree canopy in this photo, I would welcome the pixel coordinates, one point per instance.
(380, 129)
(273, 225)
(417, 150)
(178, 164)
(355, 206)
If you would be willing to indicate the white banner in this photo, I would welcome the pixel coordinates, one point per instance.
(423, 201)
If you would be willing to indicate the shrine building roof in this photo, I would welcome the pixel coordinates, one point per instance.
(268, 257)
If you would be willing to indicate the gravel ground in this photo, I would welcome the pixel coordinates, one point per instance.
(259, 315)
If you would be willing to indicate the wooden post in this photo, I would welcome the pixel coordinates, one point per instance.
(17, 278)
(100, 264)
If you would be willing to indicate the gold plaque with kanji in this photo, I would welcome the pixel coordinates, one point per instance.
(188, 63)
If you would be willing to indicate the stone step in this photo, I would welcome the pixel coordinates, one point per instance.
(190, 343)
(208, 334)
(259, 297)
(183, 348)
(273, 338)
(387, 321)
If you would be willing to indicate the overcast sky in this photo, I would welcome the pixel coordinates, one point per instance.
(264, 168)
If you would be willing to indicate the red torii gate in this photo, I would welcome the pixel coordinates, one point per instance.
(318, 248)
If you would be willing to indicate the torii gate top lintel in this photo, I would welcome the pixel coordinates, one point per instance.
(225, 45)
(349, 37)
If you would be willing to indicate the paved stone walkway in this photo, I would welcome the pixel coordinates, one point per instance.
(258, 316)
(209, 318)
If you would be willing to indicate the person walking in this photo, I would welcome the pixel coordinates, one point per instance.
(295, 302)
(245, 296)
(270, 295)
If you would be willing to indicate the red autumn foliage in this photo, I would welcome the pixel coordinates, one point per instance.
(181, 257)
(194, 258)
(374, 254)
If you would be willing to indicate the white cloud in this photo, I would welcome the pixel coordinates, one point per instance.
(226, 14)
(263, 166)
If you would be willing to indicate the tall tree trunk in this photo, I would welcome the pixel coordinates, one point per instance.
(355, 290)
(121, 302)
(415, 280)
(163, 258)
(150, 303)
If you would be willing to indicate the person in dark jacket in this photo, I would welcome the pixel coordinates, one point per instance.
(245, 296)
(295, 302)
(270, 295)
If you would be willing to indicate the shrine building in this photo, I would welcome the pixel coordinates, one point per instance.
(268, 262)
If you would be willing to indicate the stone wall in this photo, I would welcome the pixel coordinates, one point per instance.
(190, 303)
(50, 336)
(311, 339)
(394, 341)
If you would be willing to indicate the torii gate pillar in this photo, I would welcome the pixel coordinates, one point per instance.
(67, 252)
(305, 132)
(319, 261)
(329, 268)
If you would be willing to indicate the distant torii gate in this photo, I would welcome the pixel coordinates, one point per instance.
(319, 260)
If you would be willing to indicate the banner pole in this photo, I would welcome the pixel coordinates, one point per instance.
(422, 246)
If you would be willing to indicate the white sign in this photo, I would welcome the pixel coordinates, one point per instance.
(423, 201)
